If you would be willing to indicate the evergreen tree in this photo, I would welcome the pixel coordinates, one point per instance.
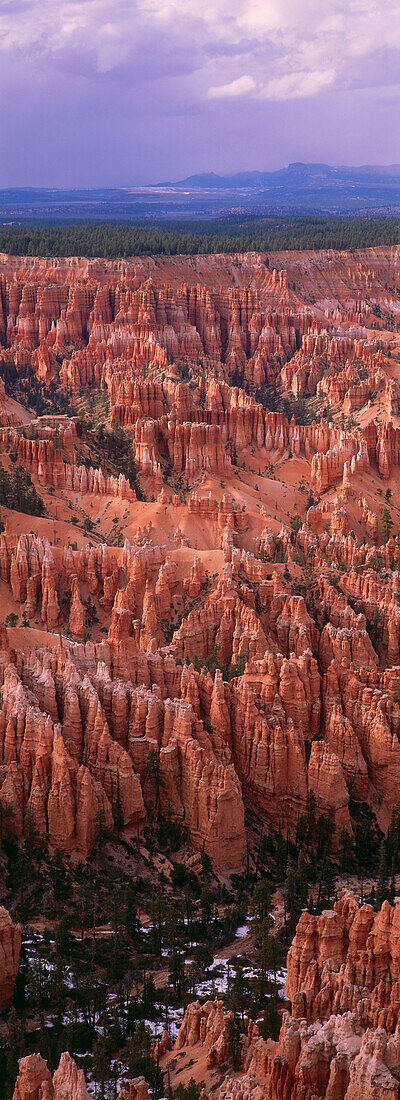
(382, 883)
(386, 523)
(233, 1039)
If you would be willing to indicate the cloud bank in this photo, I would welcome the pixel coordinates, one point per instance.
(178, 59)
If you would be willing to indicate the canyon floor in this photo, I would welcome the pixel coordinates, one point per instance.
(200, 675)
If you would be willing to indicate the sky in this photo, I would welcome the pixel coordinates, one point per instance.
(123, 92)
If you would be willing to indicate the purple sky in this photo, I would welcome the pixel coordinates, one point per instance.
(109, 92)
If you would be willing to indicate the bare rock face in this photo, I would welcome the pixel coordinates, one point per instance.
(343, 1040)
(137, 1089)
(347, 959)
(248, 736)
(10, 946)
(326, 780)
(256, 661)
(89, 758)
(333, 1059)
(34, 1081)
(68, 1081)
(330, 1059)
(374, 1072)
(77, 617)
(204, 1026)
(223, 657)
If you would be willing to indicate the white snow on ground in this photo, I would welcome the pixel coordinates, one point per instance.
(175, 1017)
(282, 976)
(216, 983)
(222, 971)
(242, 931)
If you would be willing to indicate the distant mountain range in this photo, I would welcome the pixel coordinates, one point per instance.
(302, 189)
(295, 176)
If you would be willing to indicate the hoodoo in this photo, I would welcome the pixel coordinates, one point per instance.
(199, 676)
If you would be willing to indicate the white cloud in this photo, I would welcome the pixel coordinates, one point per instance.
(298, 84)
(290, 85)
(242, 86)
(276, 49)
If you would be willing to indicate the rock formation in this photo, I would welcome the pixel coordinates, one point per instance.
(347, 960)
(35, 1082)
(10, 945)
(343, 1039)
(254, 659)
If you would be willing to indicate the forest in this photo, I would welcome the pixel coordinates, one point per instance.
(223, 235)
(95, 982)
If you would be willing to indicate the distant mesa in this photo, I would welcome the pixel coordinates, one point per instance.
(297, 189)
(296, 175)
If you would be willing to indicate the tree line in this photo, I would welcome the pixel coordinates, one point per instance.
(222, 235)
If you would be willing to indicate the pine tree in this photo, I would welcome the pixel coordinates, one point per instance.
(386, 523)
(382, 883)
(392, 891)
(233, 1039)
